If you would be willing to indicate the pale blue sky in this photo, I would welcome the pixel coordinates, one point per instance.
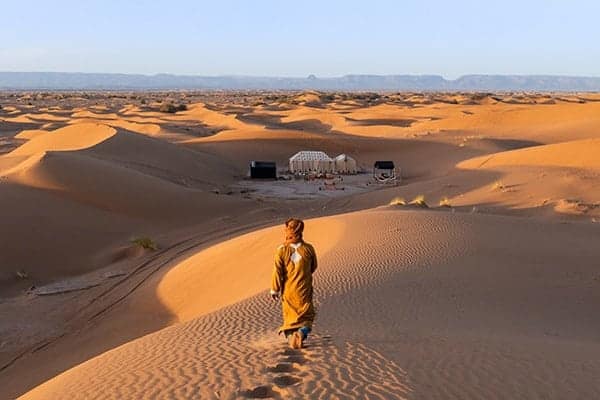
(297, 38)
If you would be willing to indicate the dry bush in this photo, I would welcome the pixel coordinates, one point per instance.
(445, 202)
(21, 274)
(498, 185)
(419, 201)
(168, 108)
(397, 201)
(171, 108)
(145, 243)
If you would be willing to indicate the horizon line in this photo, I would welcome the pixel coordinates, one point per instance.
(309, 76)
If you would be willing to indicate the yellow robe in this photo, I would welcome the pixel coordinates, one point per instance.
(293, 280)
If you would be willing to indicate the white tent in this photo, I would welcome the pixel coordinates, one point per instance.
(345, 164)
(311, 161)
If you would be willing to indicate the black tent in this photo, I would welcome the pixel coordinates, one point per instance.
(263, 170)
(384, 171)
(384, 165)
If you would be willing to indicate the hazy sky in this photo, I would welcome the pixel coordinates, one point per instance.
(297, 38)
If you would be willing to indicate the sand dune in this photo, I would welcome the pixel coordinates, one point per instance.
(574, 154)
(21, 119)
(152, 157)
(165, 160)
(146, 128)
(102, 176)
(109, 187)
(198, 274)
(52, 237)
(444, 313)
(546, 124)
(47, 117)
(30, 133)
(92, 115)
(448, 303)
(73, 137)
(214, 118)
(556, 179)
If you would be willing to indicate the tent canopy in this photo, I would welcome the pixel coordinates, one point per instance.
(344, 157)
(311, 161)
(310, 156)
(345, 164)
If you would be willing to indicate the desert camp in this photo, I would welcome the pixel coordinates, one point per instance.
(320, 162)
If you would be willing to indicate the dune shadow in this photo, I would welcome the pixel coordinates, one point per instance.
(274, 122)
(514, 144)
(267, 120)
(8, 144)
(10, 129)
(195, 129)
(402, 123)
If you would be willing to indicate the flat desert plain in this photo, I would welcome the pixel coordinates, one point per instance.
(135, 253)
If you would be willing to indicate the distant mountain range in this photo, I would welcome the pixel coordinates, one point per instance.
(87, 81)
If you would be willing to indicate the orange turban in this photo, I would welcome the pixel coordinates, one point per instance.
(293, 230)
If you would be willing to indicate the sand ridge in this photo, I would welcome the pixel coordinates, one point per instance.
(74, 137)
(430, 307)
(100, 173)
(572, 154)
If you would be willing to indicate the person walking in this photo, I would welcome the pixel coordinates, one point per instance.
(292, 282)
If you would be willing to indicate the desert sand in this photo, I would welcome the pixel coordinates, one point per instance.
(490, 291)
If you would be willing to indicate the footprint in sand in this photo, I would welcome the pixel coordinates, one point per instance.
(285, 380)
(259, 392)
(290, 357)
(282, 367)
(295, 359)
(290, 352)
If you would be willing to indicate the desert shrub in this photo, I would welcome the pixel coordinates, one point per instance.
(445, 202)
(145, 242)
(172, 108)
(21, 274)
(168, 108)
(397, 201)
(419, 201)
(498, 185)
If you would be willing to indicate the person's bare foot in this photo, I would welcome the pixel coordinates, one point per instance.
(296, 340)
